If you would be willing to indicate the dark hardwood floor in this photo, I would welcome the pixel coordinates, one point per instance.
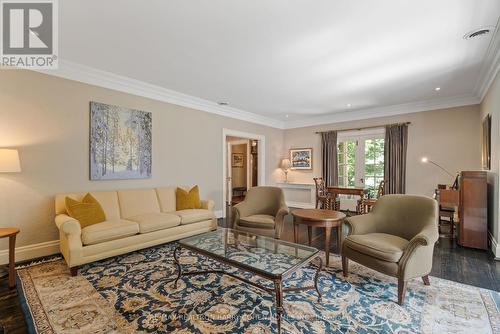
(452, 262)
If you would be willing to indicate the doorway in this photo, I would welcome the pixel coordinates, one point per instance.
(243, 156)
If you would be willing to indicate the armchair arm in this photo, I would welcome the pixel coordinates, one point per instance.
(419, 249)
(428, 236)
(361, 224)
(243, 209)
(68, 225)
(280, 219)
(208, 205)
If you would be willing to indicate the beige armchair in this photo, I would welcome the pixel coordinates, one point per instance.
(397, 238)
(262, 212)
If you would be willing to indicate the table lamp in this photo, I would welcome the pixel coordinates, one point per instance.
(285, 166)
(9, 163)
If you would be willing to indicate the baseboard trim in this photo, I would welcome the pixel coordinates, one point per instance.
(300, 205)
(33, 251)
(218, 213)
(495, 247)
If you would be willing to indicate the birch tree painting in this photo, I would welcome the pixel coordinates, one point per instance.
(120, 142)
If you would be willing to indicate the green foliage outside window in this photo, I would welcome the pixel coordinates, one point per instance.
(374, 164)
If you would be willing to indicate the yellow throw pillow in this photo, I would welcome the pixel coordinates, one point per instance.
(87, 212)
(187, 200)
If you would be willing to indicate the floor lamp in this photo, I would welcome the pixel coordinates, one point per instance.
(427, 160)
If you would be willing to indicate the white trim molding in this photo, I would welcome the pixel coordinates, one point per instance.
(261, 158)
(31, 251)
(490, 65)
(398, 109)
(92, 76)
(495, 246)
(218, 214)
(309, 187)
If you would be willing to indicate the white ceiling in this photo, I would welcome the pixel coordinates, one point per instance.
(305, 59)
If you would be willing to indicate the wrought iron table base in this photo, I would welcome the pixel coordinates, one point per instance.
(277, 291)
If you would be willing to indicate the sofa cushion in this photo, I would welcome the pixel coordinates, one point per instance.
(166, 197)
(257, 221)
(190, 216)
(87, 212)
(187, 199)
(108, 230)
(138, 202)
(150, 222)
(382, 246)
(107, 199)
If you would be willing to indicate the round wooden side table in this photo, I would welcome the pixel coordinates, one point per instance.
(11, 233)
(319, 218)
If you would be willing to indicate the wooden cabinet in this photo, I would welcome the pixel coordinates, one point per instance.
(473, 210)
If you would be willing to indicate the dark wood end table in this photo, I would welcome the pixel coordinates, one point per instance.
(10, 232)
(319, 218)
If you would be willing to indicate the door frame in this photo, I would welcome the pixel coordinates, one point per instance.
(261, 168)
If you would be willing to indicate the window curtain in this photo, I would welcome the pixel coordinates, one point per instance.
(396, 145)
(329, 157)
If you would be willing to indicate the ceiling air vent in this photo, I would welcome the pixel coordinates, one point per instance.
(477, 33)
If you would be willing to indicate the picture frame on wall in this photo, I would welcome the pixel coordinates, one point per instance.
(301, 158)
(237, 160)
(486, 143)
(120, 143)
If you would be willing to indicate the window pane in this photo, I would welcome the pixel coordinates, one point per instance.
(374, 164)
(346, 157)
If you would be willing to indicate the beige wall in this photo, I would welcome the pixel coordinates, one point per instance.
(447, 136)
(491, 105)
(47, 118)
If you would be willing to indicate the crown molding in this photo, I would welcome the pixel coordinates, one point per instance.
(92, 76)
(490, 65)
(399, 109)
(82, 73)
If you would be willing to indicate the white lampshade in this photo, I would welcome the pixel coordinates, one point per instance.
(285, 164)
(9, 161)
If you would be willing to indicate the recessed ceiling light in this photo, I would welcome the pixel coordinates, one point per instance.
(480, 32)
(223, 103)
(286, 116)
(437, 89)
(349, 105)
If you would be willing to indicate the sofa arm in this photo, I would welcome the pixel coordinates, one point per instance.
(70, 239)
(361, 224)
(68, 225)
(208, 205)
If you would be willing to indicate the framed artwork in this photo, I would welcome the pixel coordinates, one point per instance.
(486, 142)
(237, 160)
(120, 142)
(301, 158)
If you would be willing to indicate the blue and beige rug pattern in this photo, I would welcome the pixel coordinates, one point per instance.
(134, 293)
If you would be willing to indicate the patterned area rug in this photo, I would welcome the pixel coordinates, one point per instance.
(134, 293)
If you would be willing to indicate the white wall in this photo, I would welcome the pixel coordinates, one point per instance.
(47, 119)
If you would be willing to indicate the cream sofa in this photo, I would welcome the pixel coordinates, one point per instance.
(136, 219)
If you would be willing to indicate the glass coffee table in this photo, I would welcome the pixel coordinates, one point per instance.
(266, 257)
